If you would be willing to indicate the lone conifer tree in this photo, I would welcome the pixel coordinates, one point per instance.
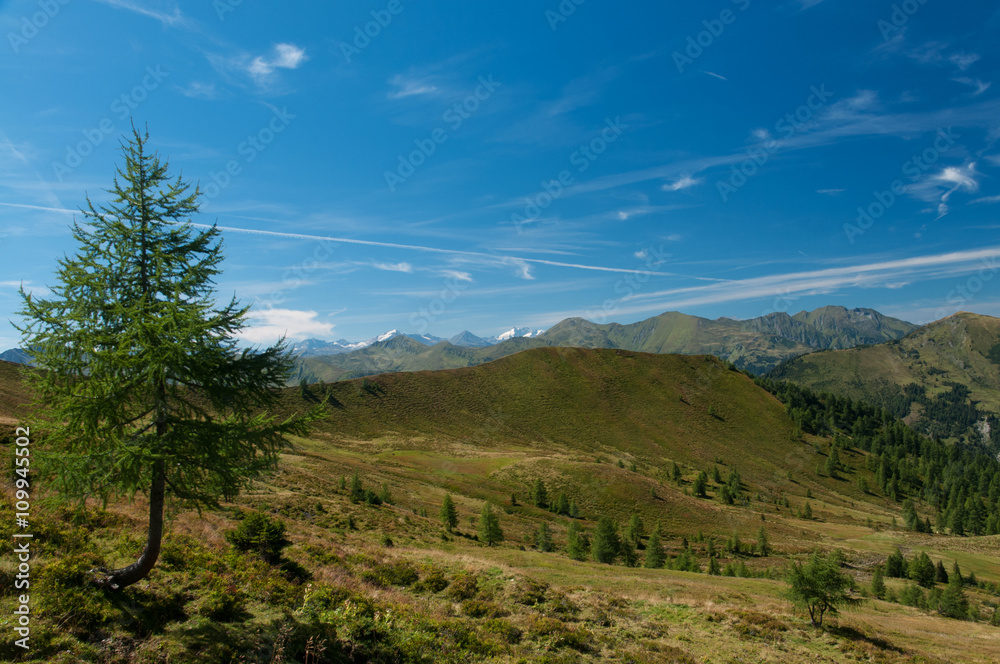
(489, 526)
(604, 547)
(143, 387)
(449, 515)
(576, 542)
(654, 549)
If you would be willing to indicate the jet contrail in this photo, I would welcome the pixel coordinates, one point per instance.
(452, 252)
(407, 247)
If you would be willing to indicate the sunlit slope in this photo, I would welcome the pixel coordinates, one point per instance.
(645, 408)
(963, 348)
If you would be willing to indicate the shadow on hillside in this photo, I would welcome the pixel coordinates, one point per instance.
(852, 634)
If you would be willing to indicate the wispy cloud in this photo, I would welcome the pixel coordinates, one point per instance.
(410, 87)
(880, 274)
(979, 85)
(684, 182)
(963, 60)
(283, 56)
(712, 73)
(987, 199)
(199, 90)
(955, 178)
(393, 267)
(171, 18)
(830, 192)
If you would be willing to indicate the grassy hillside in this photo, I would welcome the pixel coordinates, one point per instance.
(756, 345)
(963, 349)
(386, 583)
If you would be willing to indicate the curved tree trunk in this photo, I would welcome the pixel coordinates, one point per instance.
(118, 579)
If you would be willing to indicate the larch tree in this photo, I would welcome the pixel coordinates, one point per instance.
(449, 514)
(142, 387)
(819, 586)
(490, 532)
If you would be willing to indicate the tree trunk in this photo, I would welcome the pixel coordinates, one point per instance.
(118, 579)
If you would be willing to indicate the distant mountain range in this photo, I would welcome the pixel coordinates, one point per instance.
(319, 347)
(757, 345)
(15, 355)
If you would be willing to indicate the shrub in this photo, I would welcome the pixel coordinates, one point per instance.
(392, 574)
(503, 630)
(433, 582)
(475, 608)
(529, 592)
(67, 597)
(224, 604)
(465, 585)
(260, 533)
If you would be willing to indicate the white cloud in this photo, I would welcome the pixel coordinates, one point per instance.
(987, 199)
(168, 18)
(684, 182)
(882, 274)
(268, 325)
(712, 73)
(830, 192)
(457, 275)
(283, 56)
(409, 87)
(198, 90)
(963, 60)
(980, 86)
(393, 267)
(960, 176)
(938, 188)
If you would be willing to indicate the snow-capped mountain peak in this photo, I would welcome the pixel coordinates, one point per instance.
(384, 337)
(517, 332)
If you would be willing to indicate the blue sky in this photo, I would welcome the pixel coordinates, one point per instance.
(435, 167)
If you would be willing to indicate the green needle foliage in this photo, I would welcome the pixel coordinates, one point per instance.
(490, 532)
(604, 548)
(655, 558)
(449, 515)
(143, 387)
(819, 586)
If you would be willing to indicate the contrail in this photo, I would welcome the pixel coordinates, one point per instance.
(408, 247)
(436, 250)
